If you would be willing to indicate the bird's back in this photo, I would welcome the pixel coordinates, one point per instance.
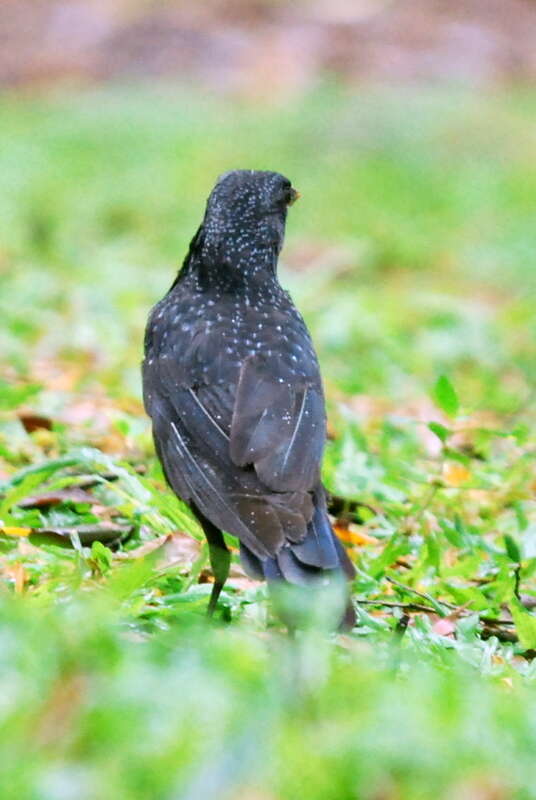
(209, 334)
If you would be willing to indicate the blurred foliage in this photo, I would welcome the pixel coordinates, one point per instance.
(93, 710)
(411, 256)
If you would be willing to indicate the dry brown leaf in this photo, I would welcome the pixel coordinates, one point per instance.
(176, 548)
(34, 422)
(18, 575)
(46, 499)
(444, 627)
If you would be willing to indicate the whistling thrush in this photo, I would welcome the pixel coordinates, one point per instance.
(232, 383)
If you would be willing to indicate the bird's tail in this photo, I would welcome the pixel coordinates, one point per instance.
(319, 559)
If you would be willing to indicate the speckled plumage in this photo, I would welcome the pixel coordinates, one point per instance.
(232, 383)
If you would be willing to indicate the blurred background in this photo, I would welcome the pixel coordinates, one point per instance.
(268, 48)
(410, 129)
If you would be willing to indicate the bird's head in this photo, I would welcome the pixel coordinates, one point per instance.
(246, 213)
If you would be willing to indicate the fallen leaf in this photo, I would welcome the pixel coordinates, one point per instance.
(352, 535)
(455, 474)
(177, 548)
(106, 532)
(18, 575)
(444, 627)
(34, 422)
(46, 499)
(9, 530)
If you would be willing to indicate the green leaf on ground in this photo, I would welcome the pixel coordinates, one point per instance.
(445, 396)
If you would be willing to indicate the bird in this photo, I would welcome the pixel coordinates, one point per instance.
(232, 384)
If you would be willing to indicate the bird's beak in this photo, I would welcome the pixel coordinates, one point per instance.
(294, 195)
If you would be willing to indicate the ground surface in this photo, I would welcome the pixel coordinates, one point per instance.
(411, 255)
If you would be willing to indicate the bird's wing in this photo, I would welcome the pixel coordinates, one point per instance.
(192, 429)
(278, 424)
(242, 442)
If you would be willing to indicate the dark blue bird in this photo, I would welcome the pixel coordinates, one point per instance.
(232, 384)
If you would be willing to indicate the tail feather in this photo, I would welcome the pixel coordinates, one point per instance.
(319, 556)
(252, 564)
(294, 570)
(318, 548)
(319, 553)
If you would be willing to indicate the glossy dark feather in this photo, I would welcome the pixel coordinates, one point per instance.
(232, 384)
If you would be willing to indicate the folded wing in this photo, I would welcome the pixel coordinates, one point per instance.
(246, 466)
(278, 425)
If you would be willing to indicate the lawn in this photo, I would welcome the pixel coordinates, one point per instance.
(411, 255)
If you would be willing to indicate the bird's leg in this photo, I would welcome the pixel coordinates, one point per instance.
(220, 559)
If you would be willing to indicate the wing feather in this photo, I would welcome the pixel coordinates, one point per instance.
(243, 443)
(278, 426)
(207, 491)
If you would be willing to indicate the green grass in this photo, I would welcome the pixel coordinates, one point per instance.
(411, 255)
